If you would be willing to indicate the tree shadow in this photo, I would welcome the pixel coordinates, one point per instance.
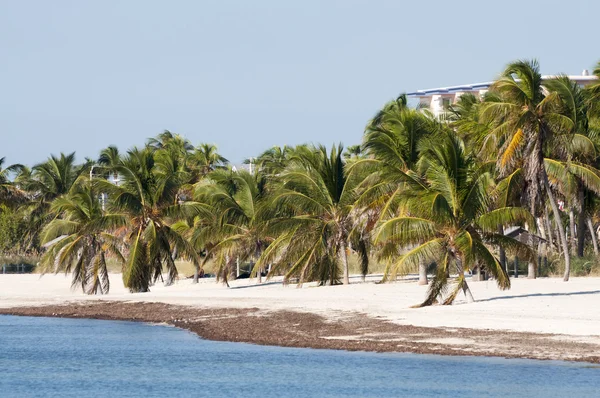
(256, 285)
(541, 295)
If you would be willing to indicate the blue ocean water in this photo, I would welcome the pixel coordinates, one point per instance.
(52, 357)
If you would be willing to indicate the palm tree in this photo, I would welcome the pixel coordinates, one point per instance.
(44, 183)
(147, 197)
(526, 121)
(168, 139)
(392, 140)
(273, 160)
(313, 210)
(446, 217)
(110, 158)
(236, 200)
(204, 159)
(79, 240)
(10, 194)
(353, 152)
(576, 172)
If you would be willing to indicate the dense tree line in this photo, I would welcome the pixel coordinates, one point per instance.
(421, 193)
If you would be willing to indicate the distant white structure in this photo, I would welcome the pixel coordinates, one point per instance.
(439, 99)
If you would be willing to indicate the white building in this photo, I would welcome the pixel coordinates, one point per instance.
(438, 99)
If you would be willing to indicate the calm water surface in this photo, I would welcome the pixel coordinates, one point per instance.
(51, 357)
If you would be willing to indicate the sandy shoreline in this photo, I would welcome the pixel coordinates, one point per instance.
(538, 319)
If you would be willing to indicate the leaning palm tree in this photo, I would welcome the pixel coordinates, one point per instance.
(313, 217)
(80, 240)
(147, 197)
(526, 121)
(445, 219)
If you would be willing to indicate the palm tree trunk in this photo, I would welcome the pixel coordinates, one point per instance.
(502, 252)
(467, 292)
(422, 273)
(530, 264)
(461, 274)
(259, 275)
(542, 246)
(561, 232)
(572, 240)
(581, 223)
(196, 272)
(531, 270)
(344, 258)
(590, 226)
(549, 229)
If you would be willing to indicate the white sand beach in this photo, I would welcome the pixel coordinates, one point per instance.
(545, 305)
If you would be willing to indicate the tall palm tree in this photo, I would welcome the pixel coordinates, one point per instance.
(392, 143)
(237, 233)
(446, 218)
(79, 240)
(147, 197)
(578, 157)
(526, 121)
(313, 207)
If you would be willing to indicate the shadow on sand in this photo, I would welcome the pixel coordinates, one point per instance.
(541, 295)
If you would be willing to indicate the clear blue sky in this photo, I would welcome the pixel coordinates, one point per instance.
(247, 75)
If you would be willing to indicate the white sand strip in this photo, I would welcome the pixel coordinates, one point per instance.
(544, 305)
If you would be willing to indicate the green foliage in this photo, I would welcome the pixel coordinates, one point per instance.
(12, 228)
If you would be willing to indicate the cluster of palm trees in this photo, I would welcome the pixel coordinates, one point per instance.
(421, 193)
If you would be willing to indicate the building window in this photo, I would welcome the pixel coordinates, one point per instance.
(445, 103)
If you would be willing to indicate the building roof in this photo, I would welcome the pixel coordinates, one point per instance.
(482, 86)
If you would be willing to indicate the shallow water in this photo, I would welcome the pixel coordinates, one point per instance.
(52, 357)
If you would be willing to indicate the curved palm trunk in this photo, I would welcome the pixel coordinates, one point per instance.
(561, 232)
